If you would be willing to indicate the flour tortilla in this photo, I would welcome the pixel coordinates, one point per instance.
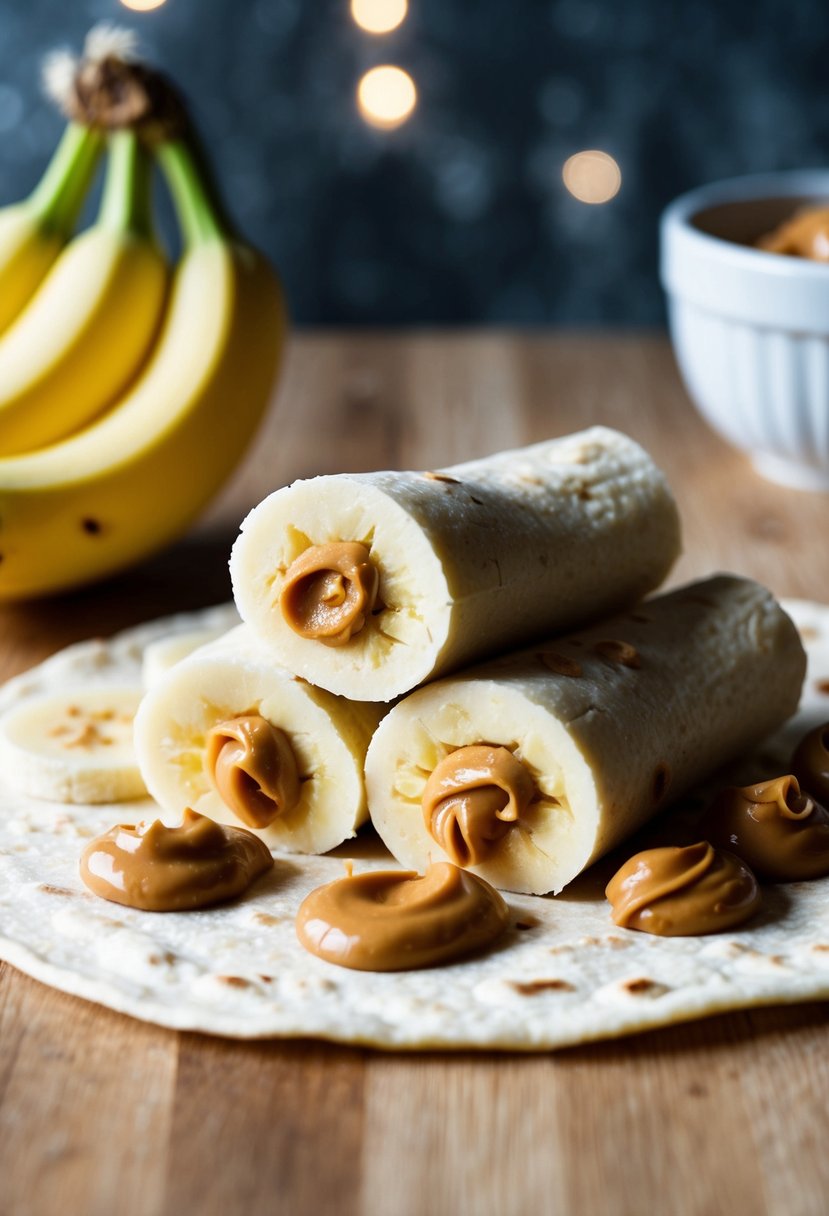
(563, 974)
(473, 560)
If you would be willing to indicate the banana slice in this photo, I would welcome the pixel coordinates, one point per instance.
(234, 736)
(610, 724)
(161, 655)
(73, 746)
(369, 584)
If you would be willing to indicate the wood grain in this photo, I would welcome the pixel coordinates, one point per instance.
(100, 1114)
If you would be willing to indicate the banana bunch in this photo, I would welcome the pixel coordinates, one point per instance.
(128, 392)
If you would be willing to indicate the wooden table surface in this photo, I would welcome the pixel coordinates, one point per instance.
(102, 1114)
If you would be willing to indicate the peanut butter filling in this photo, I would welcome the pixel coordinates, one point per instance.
(394, 920)
(810, 763)
(803, 235)
(330, 591)
(778, 831)
(161, 869)
(686, 892)
(473, 798)
(252, 767)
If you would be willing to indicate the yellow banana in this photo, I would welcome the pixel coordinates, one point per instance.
(133, 480)
(33, 232)
(87, 329)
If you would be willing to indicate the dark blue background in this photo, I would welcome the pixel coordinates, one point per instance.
(460, 215)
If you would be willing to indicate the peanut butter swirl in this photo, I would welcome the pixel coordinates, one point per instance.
(803, 235)
(252, 767)
(330, 591)
(810, 763)
(473, 798)
(781, 833)
(686, 892)
(161, 869)
(394, 920)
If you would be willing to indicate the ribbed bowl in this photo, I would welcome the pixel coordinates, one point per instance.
(751, 329)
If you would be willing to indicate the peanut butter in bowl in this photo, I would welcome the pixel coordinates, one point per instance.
(803, 235)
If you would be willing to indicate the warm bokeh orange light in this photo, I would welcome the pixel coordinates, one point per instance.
(386, 96)
(142, 6)
(592, 177)
(379, 16)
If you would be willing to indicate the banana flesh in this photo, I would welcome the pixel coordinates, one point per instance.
(229, 678)
(472, 559)
(159, 656)
(612, 723)
(73, 746)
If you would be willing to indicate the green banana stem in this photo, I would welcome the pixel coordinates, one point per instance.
(197, 207)
(58, 197)
(126, 203)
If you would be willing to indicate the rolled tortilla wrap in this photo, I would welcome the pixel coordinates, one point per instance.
(302, 746)
(475, 559)
(611, 723)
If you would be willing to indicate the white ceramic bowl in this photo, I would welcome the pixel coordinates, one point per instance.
(751, 329)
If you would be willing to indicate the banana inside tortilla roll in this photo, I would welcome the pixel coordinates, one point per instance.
(235, 737)
(608, 724)
(370, 584)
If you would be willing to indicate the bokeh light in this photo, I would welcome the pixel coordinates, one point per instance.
(379, 16)
(386, 96)
(592, 177)
(142, 6)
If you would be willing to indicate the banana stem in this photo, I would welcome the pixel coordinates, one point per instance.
(198, 210)
(126, 204)
(58, 197)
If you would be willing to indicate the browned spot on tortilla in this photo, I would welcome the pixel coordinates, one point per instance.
(618, 652)
(265, 918)
(533, 987)
(167, 957)
(808, 633)
(820, 948)
(50, 890)
(442, 477)
(822, 686)
(560, 664)
(641, 986)
(617, 943)
(233, 981)
(266, 979)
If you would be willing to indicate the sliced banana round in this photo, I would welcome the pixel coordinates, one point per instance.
(164, 653)
(74, 745)
(218, 732)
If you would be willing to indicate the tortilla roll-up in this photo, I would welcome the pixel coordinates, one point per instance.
(369, 584)
(234, 736)
(529, 768)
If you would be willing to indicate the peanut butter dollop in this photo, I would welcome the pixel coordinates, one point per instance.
(778, 831)
(161, 869)
(252, 767)
(810, 763)
(803, 235)
(473, 798)
(683, 892)
(329, 591)
(394, 920)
